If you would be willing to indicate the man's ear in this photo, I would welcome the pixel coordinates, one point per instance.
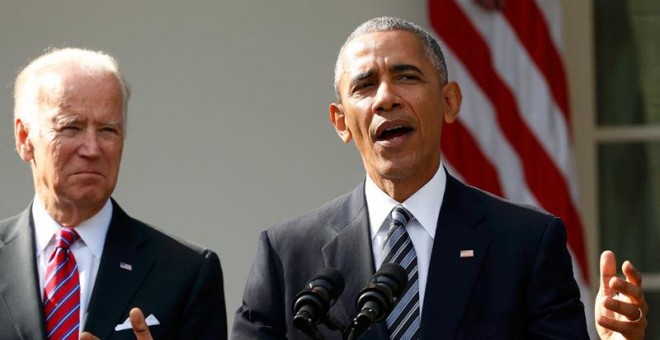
(22, 139)
(338, 120)
(452, 96)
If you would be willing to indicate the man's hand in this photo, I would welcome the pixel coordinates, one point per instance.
(138, 324)
(620, 308)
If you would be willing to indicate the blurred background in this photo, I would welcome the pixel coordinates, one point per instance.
(229, 131)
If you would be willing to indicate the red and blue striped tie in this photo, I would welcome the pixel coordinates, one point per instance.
(62, 289)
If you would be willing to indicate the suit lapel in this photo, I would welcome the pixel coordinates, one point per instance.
(451, 277)
(350, 253)
(20, 297)
(115, 286)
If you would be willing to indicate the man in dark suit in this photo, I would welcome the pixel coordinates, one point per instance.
(74, 260)
(479, 267)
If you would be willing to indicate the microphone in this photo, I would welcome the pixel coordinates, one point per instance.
(377, 299)
(311, 305)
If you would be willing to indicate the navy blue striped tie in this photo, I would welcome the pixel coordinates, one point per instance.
(404, 321)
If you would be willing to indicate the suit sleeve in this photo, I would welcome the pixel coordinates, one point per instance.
(554, 307)
(204, 315)
(262, 313)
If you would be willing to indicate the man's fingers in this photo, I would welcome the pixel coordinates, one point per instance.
(627, 291)
(139, 325)
(626, 309)
(88, 336)
(601, 308)
(617, 326)
(629, 330)
(630, 289)
(631, 273)
(607, 266)
(620, 301)
(607, 271)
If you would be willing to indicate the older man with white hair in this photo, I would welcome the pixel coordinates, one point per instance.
(74, 260)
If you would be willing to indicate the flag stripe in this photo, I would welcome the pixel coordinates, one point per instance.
(531, 28)
(541, 174)
(479, 120)
(478, 117)
(547, 124)
(529, 88)
(460, 144)
(553, 18)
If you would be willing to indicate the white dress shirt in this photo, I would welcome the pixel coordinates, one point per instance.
(425, 207)
(87, 250)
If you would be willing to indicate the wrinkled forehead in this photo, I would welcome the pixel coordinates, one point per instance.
(49, 87)
(64, 81)
(79, 95)
(382, 50)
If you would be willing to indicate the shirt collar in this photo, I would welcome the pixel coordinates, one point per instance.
(92, 231)
(424, 204)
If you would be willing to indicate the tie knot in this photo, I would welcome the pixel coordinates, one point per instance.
(65, 237)
(401, 215)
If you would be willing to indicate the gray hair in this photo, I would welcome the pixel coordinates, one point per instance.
(28, 86)
(387, 24)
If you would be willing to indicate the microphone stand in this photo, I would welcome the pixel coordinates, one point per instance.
(304, 325)
(355, 330)
(360, 324)
(313, 332)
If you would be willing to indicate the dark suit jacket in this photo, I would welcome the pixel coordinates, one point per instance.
(518, 285)
(180, 284)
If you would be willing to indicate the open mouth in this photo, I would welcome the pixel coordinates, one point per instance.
(393, 132)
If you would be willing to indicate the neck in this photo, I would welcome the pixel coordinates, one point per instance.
(401, 188)
(68, 214)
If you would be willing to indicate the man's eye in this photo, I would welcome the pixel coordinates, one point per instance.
(363, 86)
(408, 77)
(110, 130)
(70, 128)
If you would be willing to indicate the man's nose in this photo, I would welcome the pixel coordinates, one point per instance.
(386, 98)
(90, 144)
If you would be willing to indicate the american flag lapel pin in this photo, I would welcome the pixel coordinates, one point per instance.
(466, 253)
(125, 266)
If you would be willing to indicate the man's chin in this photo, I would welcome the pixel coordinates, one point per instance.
(89, 198)
(90, 179)
(396, 168)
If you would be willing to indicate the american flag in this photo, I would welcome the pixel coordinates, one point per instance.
(513, 134)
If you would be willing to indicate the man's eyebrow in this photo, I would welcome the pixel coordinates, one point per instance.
(405, 67)
(362, 76)
(398, 68)
(66, 120)
(114, 122)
